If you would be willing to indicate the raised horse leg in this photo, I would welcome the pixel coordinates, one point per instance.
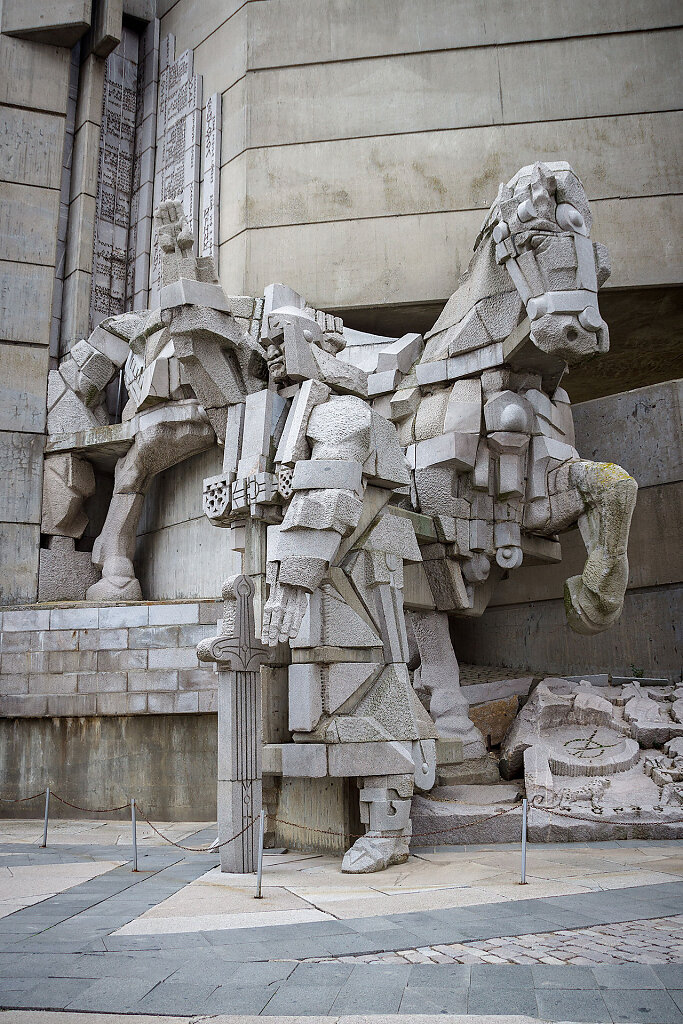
(162, 441)
(600, 497)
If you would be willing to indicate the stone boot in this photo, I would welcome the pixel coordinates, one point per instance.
(375, 852)
(385, 808)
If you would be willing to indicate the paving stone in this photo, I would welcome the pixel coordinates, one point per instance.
(311, 988)
(368, 990)
(108, 994)
(503, 976)
(627, 977)
(420, 1000)
(647, 1005)
(670, 974)
(495, 1000)
(49, 993)
(176, 998)
(238, 999)
(572, 1005)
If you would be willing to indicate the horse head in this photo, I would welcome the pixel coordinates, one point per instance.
(540, 225)
(533, 256)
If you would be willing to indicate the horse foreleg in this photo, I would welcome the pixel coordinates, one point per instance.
(114, 549)
(600, 497)
(158, 446)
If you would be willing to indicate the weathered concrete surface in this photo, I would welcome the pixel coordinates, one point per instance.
(22, 387)
(280, 176)
(383, 270)
(323, 101)
(640, 430)
(658, 514)
(26, 301)
(645, 327)
(27, 223)
(323, 804)
(19, 549)
(35, 77)
(168, 764)
(471, 92)
(21, 466)
(647, 639)
(31, 151)
(61, 22)
(361, 31)
(34, 95)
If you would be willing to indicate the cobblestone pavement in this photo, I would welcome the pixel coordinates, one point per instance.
(659, 941)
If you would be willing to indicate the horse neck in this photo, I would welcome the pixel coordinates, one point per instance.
(483, 278)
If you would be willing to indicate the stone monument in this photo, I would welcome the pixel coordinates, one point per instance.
(376, 487)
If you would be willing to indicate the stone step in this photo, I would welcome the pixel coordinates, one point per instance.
(476, 771)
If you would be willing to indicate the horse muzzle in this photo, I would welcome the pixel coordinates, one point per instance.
(572, 336)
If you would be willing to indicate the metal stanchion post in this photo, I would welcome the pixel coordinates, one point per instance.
(524, 809)
(259, 862)
(135, 836)
(47, 811)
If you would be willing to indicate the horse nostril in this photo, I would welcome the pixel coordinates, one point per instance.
(571, 334)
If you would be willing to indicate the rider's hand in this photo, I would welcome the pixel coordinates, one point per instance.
(283, 613)
(172, 226)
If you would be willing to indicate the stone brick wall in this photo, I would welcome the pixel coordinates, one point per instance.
(78, 660)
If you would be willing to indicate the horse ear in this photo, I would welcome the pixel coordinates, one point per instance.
(546, 178)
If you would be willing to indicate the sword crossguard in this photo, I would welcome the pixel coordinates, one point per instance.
(241, 652)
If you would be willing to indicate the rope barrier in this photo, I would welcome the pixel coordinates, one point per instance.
(390, 835)
(610, 821)
(21, 799)
(89, 810)
(349, 835)
(62, 800)
(197, 849)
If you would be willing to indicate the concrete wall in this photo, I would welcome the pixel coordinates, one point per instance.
(362, 142)
(525, 626)
(167, 762)
(33, 107)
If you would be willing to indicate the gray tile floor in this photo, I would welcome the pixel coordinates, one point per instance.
(61, 954)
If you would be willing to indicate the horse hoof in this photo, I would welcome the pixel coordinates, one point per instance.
(114, 590)
(583, 614)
